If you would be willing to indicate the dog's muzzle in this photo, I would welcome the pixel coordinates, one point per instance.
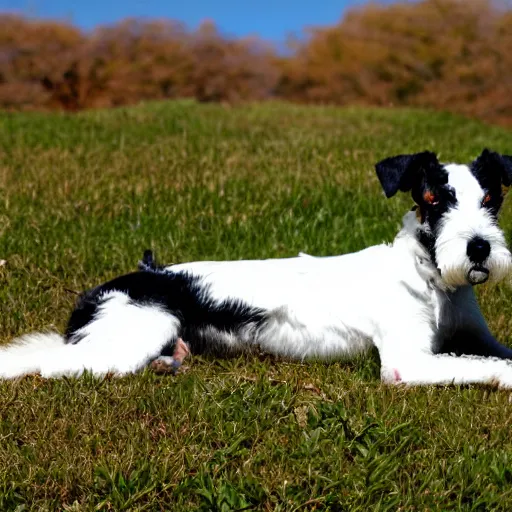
(477, 275)
(478, 251)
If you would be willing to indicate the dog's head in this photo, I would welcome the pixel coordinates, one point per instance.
(457, 209)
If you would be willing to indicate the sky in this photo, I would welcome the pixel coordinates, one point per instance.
(273, 20)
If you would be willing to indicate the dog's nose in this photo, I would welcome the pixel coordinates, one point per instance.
(478, 249)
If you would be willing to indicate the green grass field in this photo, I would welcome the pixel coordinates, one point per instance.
(82, 196)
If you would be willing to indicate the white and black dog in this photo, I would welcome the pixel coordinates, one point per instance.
(412, 299)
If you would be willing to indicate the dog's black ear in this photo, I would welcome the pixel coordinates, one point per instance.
(490, 160)
(402, 172)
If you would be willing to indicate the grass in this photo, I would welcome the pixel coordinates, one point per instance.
(82, 196)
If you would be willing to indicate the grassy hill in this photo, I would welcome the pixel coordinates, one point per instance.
(82, 196)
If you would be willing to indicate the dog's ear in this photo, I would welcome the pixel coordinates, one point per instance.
(402, 172)
(490, 160)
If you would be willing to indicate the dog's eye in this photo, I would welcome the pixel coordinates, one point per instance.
(430, 198)
(486, 199)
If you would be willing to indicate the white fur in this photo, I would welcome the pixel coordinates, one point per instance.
(337, 306)
(122, 339)
(391, 296)
(464, 222)
(24, 355)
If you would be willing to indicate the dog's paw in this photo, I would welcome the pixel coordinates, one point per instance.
(504, 381)
(168, 364)
(165, 364)
(390, 376)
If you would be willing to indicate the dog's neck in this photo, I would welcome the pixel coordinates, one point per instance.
(420, 244)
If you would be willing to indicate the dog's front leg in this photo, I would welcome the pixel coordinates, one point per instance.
(409, 361)
(447, 369)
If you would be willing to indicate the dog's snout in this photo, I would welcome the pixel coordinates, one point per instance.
(478, 249)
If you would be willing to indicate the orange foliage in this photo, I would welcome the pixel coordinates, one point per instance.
(51, 65)
(446, 54)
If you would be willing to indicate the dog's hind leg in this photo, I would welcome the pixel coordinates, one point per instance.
(122, 336)
(171, 364)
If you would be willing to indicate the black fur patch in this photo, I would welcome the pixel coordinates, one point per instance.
(404, 172)
(462, 342)
(428, 240)
(492, 170)
(434, 198)
(427, 180)
(181, 294)
(148, 262)
(433, 184)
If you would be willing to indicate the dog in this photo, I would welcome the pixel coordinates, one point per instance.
(413, 298)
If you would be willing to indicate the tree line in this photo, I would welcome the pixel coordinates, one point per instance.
(446, 54)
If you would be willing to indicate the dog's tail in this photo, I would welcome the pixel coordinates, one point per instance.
(30, 353)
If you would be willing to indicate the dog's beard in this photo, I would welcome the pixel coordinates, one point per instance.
(456, 268)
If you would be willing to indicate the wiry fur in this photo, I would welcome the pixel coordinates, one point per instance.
(459, 225)
(413, 299)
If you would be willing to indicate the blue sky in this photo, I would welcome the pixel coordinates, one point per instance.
(271, 19)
